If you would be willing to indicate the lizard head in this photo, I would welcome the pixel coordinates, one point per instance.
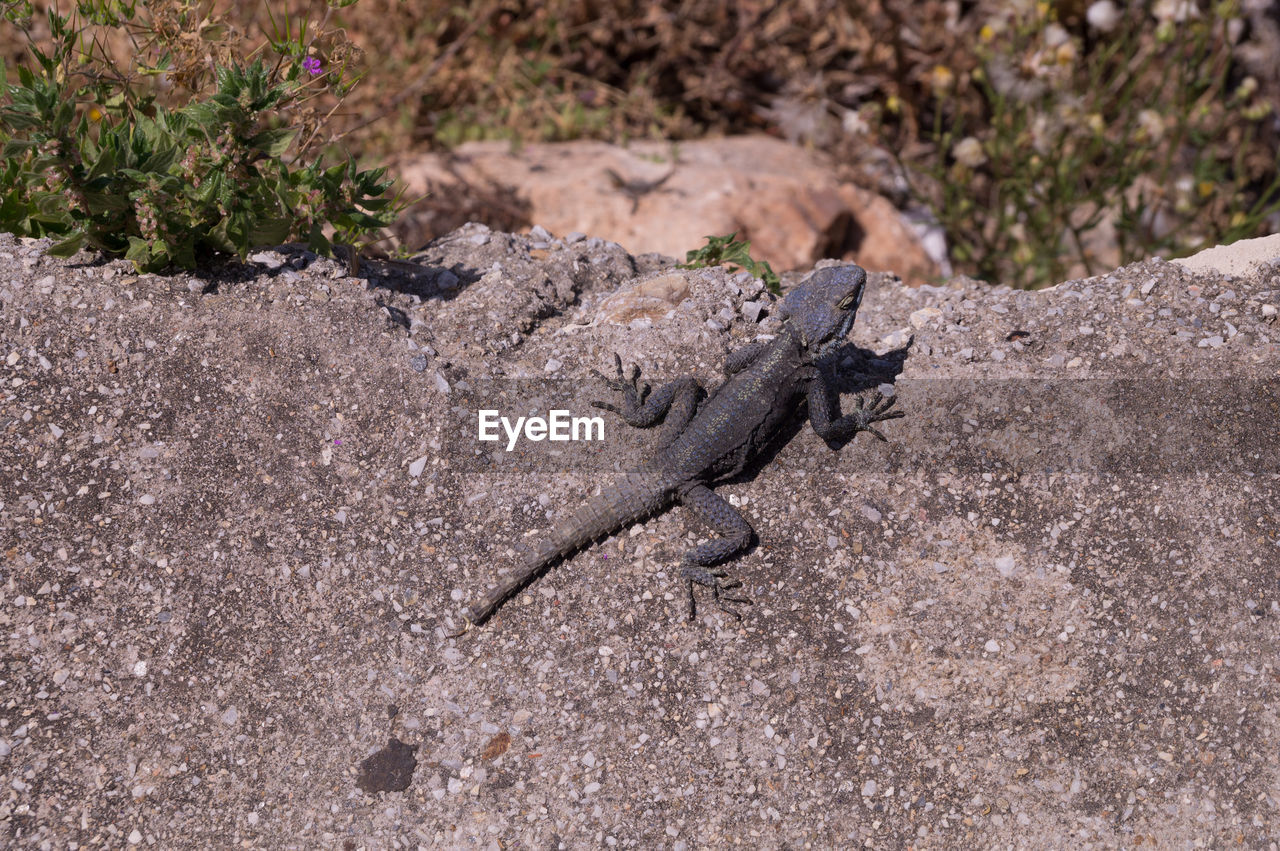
(823, 308)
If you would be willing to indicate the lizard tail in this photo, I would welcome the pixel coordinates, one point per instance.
(628, 499)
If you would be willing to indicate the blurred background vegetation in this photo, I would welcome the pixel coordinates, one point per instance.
(1045, 138)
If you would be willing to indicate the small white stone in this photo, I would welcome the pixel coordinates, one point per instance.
(416, 468)
(135, 837)
(253, 818)
(147, 499)
(869, 788)
(57, 432)
(992, 646)
(229, 716)
(139, 669)
(924, 316)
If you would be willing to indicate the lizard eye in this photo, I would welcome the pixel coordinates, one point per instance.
(848, 301)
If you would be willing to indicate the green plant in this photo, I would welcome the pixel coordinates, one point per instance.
(90, 161)
(1135, 141)
(725, 251)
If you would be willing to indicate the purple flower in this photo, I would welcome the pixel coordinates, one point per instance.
(311, 65)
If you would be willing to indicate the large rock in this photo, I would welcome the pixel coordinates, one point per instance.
(240, 509)
(784, 199)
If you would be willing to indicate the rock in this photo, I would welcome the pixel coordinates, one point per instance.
(649, 299)
(1238, 258)
(1094, 505)
(782, 198)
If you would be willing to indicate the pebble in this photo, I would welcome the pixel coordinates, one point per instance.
(924, 316)
(270, 259)
(416, 468)
(868, 788)
(992, 646)
(135, 837)
(418, 363)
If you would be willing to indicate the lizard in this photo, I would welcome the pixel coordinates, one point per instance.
(708, 439)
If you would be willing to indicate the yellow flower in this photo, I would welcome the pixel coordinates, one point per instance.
(941, 79)
(893, 104)
(986, 33)
(1096, 123)
(95, 114)
(1205, 188)
(1247, 87)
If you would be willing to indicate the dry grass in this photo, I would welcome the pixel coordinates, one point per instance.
(855, 79)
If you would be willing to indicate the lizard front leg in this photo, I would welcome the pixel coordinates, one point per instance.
(673, 404)
(837, 430)
(699, 563)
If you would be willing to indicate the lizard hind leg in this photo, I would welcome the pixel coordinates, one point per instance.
(698, 565)
(673, 404)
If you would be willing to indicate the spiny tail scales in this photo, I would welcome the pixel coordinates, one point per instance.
(630, 498)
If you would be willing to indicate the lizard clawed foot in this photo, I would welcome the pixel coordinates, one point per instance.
(877, 410)
(467, 623)
(712, 578)
(632, 389)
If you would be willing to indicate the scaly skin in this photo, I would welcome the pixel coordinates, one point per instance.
(706, 440)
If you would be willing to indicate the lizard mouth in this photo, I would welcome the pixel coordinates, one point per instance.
(837, 337)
